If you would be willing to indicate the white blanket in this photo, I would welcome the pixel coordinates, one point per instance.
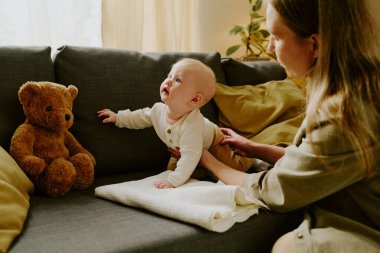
(214, 206)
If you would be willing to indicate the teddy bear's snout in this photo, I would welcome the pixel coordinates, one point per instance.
(67, 117)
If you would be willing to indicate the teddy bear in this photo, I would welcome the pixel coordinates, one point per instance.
(43, 147)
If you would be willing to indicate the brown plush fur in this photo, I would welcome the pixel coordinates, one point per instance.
(43, 147)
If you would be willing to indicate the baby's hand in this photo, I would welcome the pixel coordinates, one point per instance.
(110, 116)
(164, 184)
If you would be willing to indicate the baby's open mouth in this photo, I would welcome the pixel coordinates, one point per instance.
(166, 91)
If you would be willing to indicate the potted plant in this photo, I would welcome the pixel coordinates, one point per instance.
(253, 38)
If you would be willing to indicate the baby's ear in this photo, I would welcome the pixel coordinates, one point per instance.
(197, 99)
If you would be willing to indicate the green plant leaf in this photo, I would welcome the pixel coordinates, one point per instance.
(253, 27)
(236, 30)
(258, 35)
(254, 40)
(257, 6)
(255, 15)
(232, 50)
(265, 33)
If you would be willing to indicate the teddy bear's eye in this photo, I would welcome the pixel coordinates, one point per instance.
(48, 108)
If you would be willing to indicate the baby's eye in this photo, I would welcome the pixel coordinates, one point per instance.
(178, 80)
(49, 108)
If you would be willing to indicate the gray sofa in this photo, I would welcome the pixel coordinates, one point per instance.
(118, 79)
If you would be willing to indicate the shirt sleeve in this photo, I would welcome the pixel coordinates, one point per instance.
(191, 145)
(137, 119)
(301, 177)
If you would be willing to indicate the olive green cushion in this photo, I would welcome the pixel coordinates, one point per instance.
(15, 188)
(269, 113)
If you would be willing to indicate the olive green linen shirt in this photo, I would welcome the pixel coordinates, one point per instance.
(343, 213)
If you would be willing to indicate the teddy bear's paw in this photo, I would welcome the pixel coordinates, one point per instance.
(84, 171)
(58, 178)
(32, 165)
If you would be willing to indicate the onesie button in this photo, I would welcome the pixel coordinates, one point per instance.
(169, 131)
(299, 235)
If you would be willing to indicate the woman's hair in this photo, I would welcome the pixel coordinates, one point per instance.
(301, 16)
(344, 83)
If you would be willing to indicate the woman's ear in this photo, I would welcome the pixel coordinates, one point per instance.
(315, 44)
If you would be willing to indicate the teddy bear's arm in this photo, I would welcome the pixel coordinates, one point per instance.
(75, 147)
(21, 150)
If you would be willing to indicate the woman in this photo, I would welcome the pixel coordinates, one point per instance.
(333, 166)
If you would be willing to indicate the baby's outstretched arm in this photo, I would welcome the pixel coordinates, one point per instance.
(109, 116)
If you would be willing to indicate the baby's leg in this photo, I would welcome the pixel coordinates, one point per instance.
(227, 156)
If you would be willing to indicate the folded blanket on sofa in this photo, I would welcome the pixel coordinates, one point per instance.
(214, 206)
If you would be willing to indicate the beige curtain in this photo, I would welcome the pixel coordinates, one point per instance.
(150, 25)
(172, 25)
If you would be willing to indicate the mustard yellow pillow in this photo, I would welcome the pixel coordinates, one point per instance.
(15, 188)
(268, 113)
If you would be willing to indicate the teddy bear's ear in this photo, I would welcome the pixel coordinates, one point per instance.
(26, 91)
(73, 90)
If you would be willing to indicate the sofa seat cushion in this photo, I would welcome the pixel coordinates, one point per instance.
(119, 79)
(80, 222)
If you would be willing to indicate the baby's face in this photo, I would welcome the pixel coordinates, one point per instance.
(178, 88)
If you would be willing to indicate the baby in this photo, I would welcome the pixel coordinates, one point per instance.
(179, 123)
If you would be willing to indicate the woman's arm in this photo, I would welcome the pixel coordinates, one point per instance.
(244, 147)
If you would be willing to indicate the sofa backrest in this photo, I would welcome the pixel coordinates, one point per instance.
(120, 79)
(115, 79)
(251, 72)
(17, 66)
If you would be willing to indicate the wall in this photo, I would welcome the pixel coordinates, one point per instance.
(218, 18)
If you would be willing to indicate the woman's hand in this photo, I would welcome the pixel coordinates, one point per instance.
(244, 147)
(238, 143)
